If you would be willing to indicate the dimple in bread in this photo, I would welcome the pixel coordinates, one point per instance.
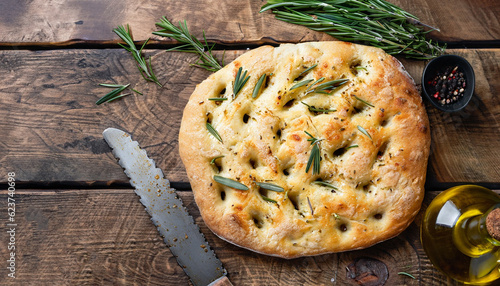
(371, 130)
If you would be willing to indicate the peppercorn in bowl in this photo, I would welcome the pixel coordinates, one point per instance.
(448, 82)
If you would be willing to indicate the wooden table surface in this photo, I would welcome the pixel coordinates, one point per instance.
(78, 219)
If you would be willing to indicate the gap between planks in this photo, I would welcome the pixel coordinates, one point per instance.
(219, 45)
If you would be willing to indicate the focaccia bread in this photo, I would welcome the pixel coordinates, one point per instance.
(369, 129)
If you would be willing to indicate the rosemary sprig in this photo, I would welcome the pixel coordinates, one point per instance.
(116, 93)
(258, 86)
(271, 187)
(352, 146)
(364, 132)
(217, 98)
(230, 183)
(336, 216)
(315, 157)
(214, 132)
(314, 109)
(206, 59)
(144, 66)
(239, 81)
(364, 101)
(330, 86)
(370, 22)
(309, 89)
(111, 97)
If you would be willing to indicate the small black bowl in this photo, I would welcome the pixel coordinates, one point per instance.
(439, 65)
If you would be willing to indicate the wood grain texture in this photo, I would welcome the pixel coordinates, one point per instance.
(51, 124)
(463, 143)
(96, 234)
(223, 281)
(104, 237)
(52, 128)
(63, 22)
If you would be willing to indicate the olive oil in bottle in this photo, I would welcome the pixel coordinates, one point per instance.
(461, 234)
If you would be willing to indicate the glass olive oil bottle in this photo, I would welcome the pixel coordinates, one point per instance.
(461, 234)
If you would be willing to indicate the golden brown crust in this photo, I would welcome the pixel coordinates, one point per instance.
(379, 185)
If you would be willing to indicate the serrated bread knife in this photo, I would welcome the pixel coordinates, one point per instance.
(169, 215)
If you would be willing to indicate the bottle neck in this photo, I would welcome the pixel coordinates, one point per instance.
(478, 231)
(471, 235)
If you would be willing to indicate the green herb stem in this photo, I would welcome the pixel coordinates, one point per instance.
(319, 110)
(268, 199)
(111, 85)
(364, 101)
(364, 132)
(314, 83)
(181, 34)
(240, 81)
(144, 66)
(136, 91)
(258, 86)
(307, 70)
(407, 274)
(315, 157)
(230, 183)
(271, 187)
(214, 132)
(330, 85)
(325, 184)
(215, 158)
(114, 94)
(300, 84)
(372, 22)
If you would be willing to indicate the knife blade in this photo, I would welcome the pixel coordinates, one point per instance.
(167, 211)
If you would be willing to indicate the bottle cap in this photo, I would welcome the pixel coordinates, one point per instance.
(493, 223)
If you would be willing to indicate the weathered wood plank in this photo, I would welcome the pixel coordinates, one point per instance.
(51, 124)
(52, 129)
(463, 143)
(65, 21)
(106, 237)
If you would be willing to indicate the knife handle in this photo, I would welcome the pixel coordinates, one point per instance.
(222, 281)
